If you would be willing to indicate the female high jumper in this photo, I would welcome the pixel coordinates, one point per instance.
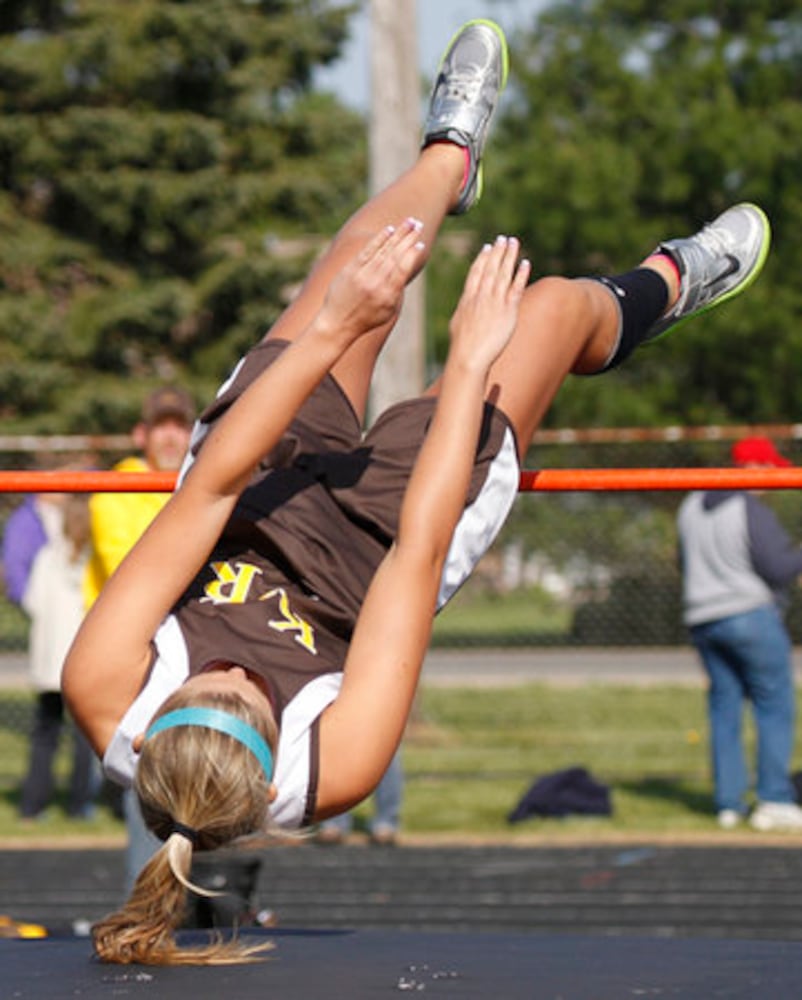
(252, 663)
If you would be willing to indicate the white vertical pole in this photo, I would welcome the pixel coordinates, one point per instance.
(393, 146)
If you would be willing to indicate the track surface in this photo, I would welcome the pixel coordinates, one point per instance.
(591, 923)
(359, 965)
(711, 892)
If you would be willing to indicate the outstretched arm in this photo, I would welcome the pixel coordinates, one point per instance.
(362, 728)
(111, 654)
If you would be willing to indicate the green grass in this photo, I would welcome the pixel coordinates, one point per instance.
(469, 756)
(523, 613)
(15, 713)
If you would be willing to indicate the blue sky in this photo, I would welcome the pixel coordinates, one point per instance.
(437, 22)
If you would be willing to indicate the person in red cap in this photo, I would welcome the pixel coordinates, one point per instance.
(737, 563)
(758, 453)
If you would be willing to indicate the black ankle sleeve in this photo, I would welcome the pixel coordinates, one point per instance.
(642, 296)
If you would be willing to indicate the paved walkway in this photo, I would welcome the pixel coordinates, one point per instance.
(505, 667)
(566, 665)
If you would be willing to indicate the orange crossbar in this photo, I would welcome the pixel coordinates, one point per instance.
(532, 480)
(565, 480)
(86, 482)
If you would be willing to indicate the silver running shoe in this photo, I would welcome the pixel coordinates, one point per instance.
(472, 74)
(717, 263)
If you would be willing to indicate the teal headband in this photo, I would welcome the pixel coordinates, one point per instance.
(223, 722)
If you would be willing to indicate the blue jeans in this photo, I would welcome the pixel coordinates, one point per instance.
(748, 658)
(37, 789)
(387, 803)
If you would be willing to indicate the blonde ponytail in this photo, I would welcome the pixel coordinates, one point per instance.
(198, 788)
(143, 931)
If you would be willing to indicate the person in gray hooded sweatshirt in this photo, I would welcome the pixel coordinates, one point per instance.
(737, 564)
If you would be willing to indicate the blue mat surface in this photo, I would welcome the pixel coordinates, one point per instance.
(365, 964)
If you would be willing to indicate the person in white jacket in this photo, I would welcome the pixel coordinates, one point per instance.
(53, 599)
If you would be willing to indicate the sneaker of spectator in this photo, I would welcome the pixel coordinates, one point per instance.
(769, 816)
(728, 819)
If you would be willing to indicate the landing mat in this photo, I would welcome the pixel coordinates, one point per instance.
(366, 964)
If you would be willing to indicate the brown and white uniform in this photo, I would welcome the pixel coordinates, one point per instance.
(281, 592)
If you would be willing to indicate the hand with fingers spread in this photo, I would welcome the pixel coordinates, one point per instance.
(486, 314)
(369, 291)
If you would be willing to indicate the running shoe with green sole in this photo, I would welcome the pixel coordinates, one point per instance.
(717, 263)
(472, 74)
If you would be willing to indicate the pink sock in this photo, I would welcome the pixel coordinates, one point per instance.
(670, 260)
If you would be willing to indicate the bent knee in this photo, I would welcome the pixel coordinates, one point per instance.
(573, 298)
(585, 313)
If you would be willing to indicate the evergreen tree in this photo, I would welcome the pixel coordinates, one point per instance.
(166, 174)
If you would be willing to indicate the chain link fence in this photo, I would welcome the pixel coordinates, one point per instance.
(581, 569)
(574, 569)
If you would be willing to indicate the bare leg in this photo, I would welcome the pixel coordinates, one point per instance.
(564, 325)
(583, 326)
(446, 177)
(426, 192)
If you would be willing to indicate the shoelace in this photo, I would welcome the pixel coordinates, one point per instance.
(465, 83)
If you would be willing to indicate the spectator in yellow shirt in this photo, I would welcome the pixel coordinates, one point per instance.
(118, 519)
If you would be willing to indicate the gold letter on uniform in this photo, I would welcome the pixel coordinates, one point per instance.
(232, 585)
(290, 622)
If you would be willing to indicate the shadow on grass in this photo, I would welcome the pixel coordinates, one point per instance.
(56, 821)
(10, 794)
(672, 791)
(11, 800)
(16, 712)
